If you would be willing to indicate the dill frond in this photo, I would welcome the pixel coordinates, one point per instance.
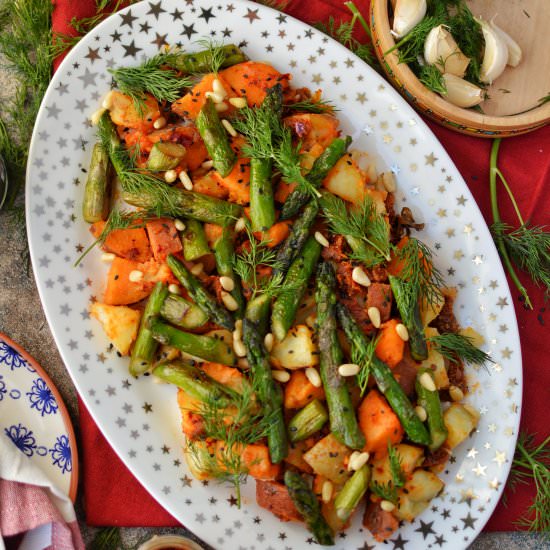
(362, 223)
(154, 77)
(396, 469)
(215, 49)
(432, 78)
(457, 346)
(310, 106)
(529, 247)
(363, 358)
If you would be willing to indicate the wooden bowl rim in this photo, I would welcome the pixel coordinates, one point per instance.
(425, 99)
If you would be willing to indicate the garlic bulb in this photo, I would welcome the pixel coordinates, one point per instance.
(496, 53)
(441, 50)
(514, 51)
(407, 14)
(462, 93)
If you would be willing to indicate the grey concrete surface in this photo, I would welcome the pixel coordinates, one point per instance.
(22, 319)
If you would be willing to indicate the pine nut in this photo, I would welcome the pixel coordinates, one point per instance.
(238, 102)
(135, 275)
(388, 179)
(229, 127)
(221, 107)
(348, 369)
(180, 226)
(456, 393)
(387, 506)
(321, 239)
(159, 123)
(427, 382)
(421, 413)
(207, 164)
(281, 376)
(197, 269)
(268, 341)
(94, 119)
(374, 315)
(186, 180)
(216, 98)
(360, 277)
(402, 331)
(108, 101)
(242, 363)
(218, 87)
(326, 491)
(238, 329)
(313, 376)
(170, 176)
(107, 257)
(230, 302)
(240, 225)
(239, 348)
(357, 460)
(174, 289)
(227, 283)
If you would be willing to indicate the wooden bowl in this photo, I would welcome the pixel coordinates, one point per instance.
(513, 106)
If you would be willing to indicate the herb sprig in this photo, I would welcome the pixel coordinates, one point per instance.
(363, 223)
(388, 491)
(458, 346)
(363, 357)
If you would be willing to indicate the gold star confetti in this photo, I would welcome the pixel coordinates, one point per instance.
(399, 124)
(381, 87)
(461, 201)
(472, 453)
(479, 470)
(476, 280)
(502, 302)
(442, 213)
(459, 478)
(450, 232)
(494, 484)
(430, 159)
(492, 428)
(384, 125)
(468, 228)
(512, 382)
(487, 445)
(397, 148)
(413, 141)
(506, 353)
(509, 432)
(499, 458)
(477, 260)
(468, 495)
(372, 113)
(388, 138)
(492, 317)
(441, 189)
(414, 167)
(458, 255)
(497, 367)
(503, 328)
(493, 284)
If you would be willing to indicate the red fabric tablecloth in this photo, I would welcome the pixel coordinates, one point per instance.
(114, 497)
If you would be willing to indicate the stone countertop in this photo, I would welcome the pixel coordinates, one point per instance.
(23, 320)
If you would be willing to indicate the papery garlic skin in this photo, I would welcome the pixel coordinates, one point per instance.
(495, 56)
(407, 14)
(441, 50)
(514, 51)
(462, 93)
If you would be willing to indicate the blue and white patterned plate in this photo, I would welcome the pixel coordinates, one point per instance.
(140, 419)
(34, 418)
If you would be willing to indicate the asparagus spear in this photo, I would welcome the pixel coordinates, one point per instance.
(297, 277)
(292, 246)
(182, 313)
(161, 199)
(145, 345)
(387, 384)
(307, 421)
(203, 61)
(194, 381)
(215, 139)
(200, 296)
(95, 206)
(409, 310)
(194, 240)
(429, 399)
(224, 252)
(165, 156)
(205, 347)
(270, 393)
(185, 204)
(343, 423)
(328, 158)
(352, 492)
(307, 504)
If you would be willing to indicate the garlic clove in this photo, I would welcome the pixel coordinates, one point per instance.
(514, 51)
(441, 50)
(462, 93)
(407, 14)
(495, 56)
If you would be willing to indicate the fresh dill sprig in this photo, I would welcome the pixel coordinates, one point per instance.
(458, 346)
(107, 538)
(363, 358)
(318, 106)
(152, 76)
(396, 469)
(532, 463)
(529, 247)
(422, 278)
(118, 219)
(216, 57)
(386, 491)
(432, 78)
(362, 223)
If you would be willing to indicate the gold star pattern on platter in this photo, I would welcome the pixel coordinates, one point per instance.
(506, 353)
(430, 159)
